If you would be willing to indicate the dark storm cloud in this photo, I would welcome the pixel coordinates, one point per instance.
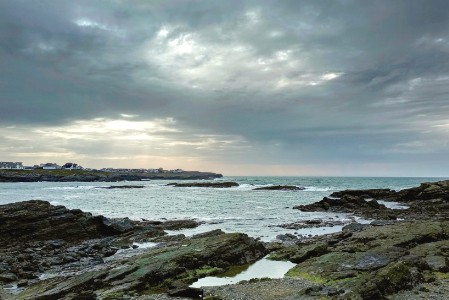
(299, 81)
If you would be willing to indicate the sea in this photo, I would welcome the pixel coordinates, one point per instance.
(237, 209)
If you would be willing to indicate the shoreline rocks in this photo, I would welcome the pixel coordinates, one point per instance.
(428, 201)
(97, 176)
(37, 238)
(371, 262)
(121, 187)
(280, 188)
(205, 184)
(170, 268)
(403, 249)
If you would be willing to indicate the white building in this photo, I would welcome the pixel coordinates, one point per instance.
(72, 166)
(51, 166)
(11, 165)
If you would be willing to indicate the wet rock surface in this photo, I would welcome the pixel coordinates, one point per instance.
(169, 268)
(205, 184)
(403, 249)
(120, 187)
(38, 238)
(372, 262)
(314, 223)
(429, 200)
(280, 188)
(402, 254)
(51, 252)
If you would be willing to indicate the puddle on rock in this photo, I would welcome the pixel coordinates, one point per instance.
(13, 289)
(264, 268)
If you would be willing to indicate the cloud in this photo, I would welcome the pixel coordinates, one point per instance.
(115, 140)
(322, 83)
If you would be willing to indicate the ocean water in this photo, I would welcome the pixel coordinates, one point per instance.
(239, 209)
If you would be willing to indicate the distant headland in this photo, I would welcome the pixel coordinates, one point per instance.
(73, 172)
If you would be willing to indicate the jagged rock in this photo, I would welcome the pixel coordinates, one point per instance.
(375, 262)
(38, 220)
(178, 224)
(315, 223)
(118, 225)
(365, 194)
(288, 237)
(36, 236)
(429, 200)
(151, 268)
(351, 204)
(7, 277)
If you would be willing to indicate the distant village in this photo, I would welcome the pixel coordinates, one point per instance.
(74, 166)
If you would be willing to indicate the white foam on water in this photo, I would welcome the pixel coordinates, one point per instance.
(318, 189)
(145, 245)
(393, 205)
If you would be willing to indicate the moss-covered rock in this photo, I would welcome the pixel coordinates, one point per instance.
(375, 262)
(158, 268)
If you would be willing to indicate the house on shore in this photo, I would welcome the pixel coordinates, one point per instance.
(4, 165)
(51, 166)
(72, 166)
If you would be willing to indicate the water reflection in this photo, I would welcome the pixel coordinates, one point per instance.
(263, 268)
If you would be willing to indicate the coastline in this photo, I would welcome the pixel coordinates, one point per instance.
(97, 176)
(400, 250)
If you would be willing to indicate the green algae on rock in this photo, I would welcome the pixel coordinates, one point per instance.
(159, 268)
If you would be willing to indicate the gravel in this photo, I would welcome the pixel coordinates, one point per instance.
(286, 288)
(265, 289)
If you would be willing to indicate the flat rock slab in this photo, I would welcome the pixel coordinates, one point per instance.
(371, 262)
(205, 184)
(280, 188)
(120, 187)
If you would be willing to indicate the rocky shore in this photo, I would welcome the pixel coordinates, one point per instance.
(75, 251)
(50, 252)
(96, 176)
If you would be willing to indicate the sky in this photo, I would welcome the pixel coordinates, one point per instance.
(289, 87)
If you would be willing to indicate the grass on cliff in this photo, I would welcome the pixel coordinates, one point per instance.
(38, 172)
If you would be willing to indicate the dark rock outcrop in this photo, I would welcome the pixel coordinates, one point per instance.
(351, 204)
(96, 176)
(280, 188)
(205, 184)
(429, 200)
(380, 259)
(178, 224)
(121, 187)
(369, 193)
(314, 223)
(36, 237)
(37, 220)
(156, 269)
(372, 262)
